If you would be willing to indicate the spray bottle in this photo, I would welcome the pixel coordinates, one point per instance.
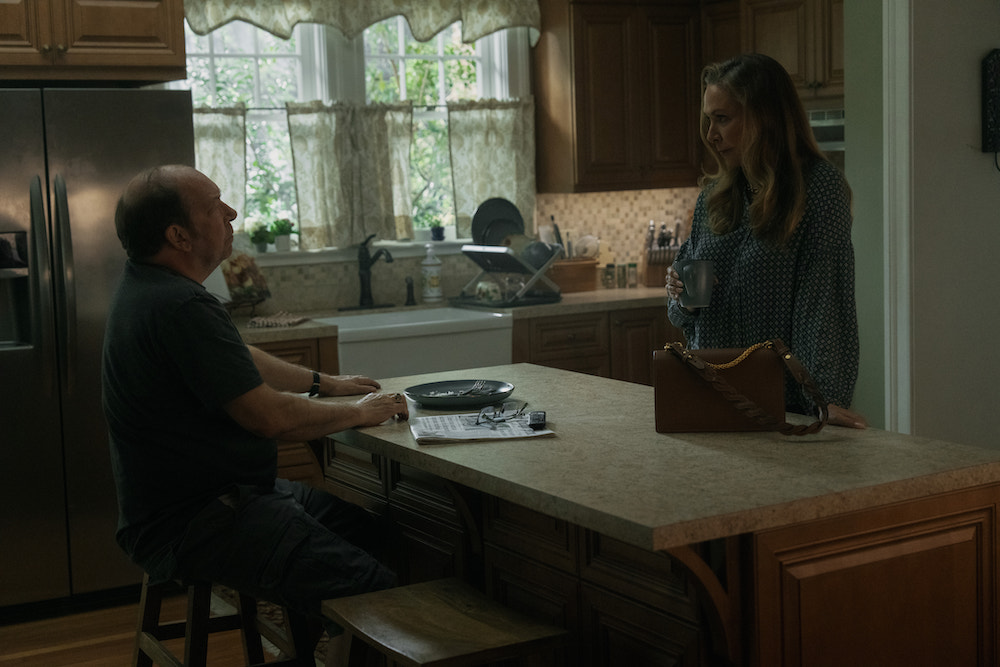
(430, 277)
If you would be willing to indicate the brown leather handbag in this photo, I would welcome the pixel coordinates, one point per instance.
(718, 390)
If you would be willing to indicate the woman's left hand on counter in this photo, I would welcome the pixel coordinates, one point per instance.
(843, 417)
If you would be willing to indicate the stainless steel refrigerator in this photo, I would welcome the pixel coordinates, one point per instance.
(66, 156)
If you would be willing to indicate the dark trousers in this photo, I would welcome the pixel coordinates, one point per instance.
(294, 546)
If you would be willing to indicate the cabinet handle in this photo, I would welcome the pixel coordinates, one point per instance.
(61, 49)
(45, 50)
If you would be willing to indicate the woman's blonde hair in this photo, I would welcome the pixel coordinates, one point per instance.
(777, 147)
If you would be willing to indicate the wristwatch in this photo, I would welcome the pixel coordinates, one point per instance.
(314, 390)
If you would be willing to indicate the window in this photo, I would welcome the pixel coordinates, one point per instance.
(241, 63)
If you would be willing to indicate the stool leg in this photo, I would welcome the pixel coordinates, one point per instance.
(253, 648)
(149, 618)
(196, 634)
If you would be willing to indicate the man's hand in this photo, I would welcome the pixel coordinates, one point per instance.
(347, 385)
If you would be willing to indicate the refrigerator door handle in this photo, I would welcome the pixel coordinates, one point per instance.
(40, 287)
(65, 284)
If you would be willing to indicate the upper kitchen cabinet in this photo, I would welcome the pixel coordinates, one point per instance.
(616, 95)
(807, 37)
(134, 41)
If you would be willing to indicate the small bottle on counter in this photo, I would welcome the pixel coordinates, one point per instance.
(430, 277)
(633, 274)
(608, 276)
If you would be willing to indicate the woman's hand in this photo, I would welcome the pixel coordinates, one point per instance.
(674, 285)
(839, 416)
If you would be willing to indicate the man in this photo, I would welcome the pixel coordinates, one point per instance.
(194, 413)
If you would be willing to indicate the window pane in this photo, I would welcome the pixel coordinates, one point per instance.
(194, 43)
(453, 45)
(413, 47)
(200, 79)
(422, 81)
(235, 81)
(382, 81)
(279, 81)
(460, 79)
(268, 43)
(235, 37)
(382, 38)
(430, 174)
(270, 180)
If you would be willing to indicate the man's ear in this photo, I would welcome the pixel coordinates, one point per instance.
(179, 238)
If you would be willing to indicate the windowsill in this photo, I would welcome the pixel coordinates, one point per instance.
(399, 250)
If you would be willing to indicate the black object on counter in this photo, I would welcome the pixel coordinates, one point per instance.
(410, 299)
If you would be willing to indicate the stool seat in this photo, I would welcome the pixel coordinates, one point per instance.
(441, 623)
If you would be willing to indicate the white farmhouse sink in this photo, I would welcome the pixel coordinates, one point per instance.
(407, 342)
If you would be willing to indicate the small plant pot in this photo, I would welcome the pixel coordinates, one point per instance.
(437, 233)
(283, 243)
(261, 247)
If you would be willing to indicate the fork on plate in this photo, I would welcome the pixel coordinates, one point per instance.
(476, 387)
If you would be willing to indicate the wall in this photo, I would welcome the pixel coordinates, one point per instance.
(619, 219)
(863, 168)
(955, 232)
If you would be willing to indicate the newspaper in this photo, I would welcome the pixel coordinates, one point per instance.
(454, 428)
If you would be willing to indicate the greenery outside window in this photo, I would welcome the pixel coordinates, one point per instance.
(241, 63)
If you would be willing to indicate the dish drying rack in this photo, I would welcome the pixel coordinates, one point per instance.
(495, 260)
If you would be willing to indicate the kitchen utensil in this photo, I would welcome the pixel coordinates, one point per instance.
(537, 253)
(455, 394)
(588, 246)
(494, 220)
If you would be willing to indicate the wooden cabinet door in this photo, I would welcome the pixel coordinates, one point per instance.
(25, 33)
(608, 117)
(782, 30)
(720, 31)
(806, 37)
(911, 583)
(81, 39)
(635, 333)
(669, 94)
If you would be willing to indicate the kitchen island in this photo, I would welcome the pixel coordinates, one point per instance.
(843, 547)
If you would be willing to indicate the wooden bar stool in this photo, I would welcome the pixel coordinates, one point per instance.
(295, 639)
(441, 623)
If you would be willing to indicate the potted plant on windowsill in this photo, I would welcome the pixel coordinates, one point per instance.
(282, 230)
(260, 236)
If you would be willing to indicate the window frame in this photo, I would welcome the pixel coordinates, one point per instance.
(332, 67)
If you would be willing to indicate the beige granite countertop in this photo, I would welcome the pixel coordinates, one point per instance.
(608, 470)
(572, 303)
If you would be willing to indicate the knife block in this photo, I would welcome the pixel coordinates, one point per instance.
(656, 266)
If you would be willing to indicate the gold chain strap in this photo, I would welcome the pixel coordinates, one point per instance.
(746, 353)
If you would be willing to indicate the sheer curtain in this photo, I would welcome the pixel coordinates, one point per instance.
(220, 153)
(426, 18)
(351, 172)
(492, 155)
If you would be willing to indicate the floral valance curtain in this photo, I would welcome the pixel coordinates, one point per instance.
(220, 153)
(492, 155)
(351, 172)
(425, 17)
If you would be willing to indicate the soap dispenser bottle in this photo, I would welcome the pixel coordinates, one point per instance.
(430, 277)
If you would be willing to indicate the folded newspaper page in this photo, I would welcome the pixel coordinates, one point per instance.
(453, 428)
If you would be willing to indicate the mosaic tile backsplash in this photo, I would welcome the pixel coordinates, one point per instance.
(618, 219)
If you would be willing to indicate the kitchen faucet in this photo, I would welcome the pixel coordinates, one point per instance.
(365, 261)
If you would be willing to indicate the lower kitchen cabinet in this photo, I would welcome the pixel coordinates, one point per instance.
(617, 343)
(436, 519)
(841, 591)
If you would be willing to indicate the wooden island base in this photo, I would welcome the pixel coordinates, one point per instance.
(908, 584)
(839, 548)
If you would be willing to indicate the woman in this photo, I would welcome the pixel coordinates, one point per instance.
(775, 217)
